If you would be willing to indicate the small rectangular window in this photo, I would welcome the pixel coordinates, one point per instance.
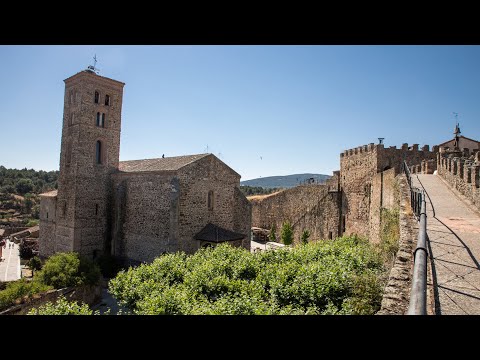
(107, 100)
(96, 209)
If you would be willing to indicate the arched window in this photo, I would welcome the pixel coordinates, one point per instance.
(98, 119)
(107, 100)
(98, 153)
(210, 200)
(97, 96)
(103, 119)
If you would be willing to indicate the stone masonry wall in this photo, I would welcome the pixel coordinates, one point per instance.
(196, 180)
(358, 167)
(462, 174)
(382, 197)
(396, 295)
(308, 207)
(242, 217)
(84, 188)
(46, 241)
(146, 215)
(162, 211)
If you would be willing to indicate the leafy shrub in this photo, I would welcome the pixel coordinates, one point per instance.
(62, 307)
(287, 233)
(272, 236)
(68, 269)
(35, 264)
(32, 222)
(18, 289)
(305, 236)
(389, 233)
(330, 277)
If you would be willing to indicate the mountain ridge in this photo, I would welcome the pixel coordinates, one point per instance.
(285, 181)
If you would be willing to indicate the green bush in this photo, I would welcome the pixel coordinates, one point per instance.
(34, 264)
(68, 269)
(18, 289)
(272, 236)
(287, 233)
(305, 236)
(62, 307)
(329, 277)
(389, 233)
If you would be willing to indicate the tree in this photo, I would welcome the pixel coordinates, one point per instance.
(272, 236)
(24, 186)
(35, 264)
(305, 236)
(69, 269)
(287, 233)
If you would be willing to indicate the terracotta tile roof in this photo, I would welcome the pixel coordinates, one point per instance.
(167, 163)
(217, 234)
(461, 136)
(50, 193)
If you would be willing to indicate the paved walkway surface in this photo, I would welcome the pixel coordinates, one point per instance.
(10, 264)
(453, 230)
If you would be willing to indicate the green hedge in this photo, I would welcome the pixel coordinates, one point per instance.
(329, 277)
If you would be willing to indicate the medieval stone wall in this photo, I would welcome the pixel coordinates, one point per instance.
(396, 295)
(307, 207)
(462, 174)
(358, 167)
(46, 242)
(196, 181)
(242, 217)
(382, 197)
(146, 215)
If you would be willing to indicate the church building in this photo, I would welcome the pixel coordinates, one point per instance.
(139, 209)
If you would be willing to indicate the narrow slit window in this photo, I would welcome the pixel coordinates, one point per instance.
(96, 209)
(107, 100)
(103, 120)
(98, 119)
(210, 200)
(96, 97)
(98, 156)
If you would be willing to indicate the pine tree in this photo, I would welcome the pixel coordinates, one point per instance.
(287, 233)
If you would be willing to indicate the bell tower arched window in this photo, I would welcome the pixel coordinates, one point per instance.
(107, 100)
(97, 96)
(103, 120)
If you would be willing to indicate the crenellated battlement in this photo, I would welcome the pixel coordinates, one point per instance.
(370, 148)
(461, 170)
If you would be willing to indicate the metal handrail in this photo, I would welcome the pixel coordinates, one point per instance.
(418, 294)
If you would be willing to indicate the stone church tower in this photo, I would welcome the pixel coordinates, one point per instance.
(89, 155)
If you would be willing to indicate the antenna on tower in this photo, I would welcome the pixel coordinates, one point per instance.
(93, 68)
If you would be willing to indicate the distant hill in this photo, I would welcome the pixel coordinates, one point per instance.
(286, 181)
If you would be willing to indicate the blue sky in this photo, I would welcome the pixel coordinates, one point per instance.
(263, 110)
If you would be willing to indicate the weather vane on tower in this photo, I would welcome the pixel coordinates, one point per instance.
(93, 68)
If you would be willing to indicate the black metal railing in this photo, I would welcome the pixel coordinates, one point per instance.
(418, 294)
